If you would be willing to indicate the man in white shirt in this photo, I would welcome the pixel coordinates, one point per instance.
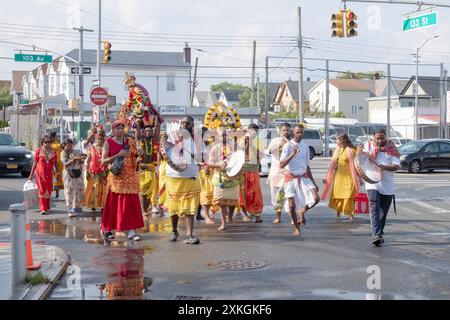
(299, 179)
(381, 194)
(276, 174)
(183, 187)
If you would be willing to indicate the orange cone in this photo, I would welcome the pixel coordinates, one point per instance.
(30, 264)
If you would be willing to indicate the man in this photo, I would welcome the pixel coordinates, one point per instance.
(299, 179)
(381, 194)
(147, 164)
(183, 187)
(251, 199)
(276, 174)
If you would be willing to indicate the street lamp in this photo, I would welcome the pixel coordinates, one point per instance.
(416, 97)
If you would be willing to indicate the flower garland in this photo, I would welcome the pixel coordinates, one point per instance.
(220, 115)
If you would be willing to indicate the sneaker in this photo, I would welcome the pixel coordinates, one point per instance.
(174, 236)
(376, 241)
(381, 240)
(191, 240)
(155, 210)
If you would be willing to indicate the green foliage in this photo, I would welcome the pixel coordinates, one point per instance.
(37, 278)
(361, 75)
(244, 98)
(228, 86)
(3, 124)
(6, 99)
(282, 115)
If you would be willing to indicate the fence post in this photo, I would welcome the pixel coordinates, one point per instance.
(18, 248)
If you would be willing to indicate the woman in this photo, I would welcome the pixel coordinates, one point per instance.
(342, 179)
(226, 190)
(96, 187)
(44, 165)
(122, 211)
(73, 180)
(57, 183)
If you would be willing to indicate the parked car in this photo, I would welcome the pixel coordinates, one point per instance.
(14, 158)
(429, 154)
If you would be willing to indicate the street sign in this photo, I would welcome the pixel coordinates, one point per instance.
(32, 58)
(99, 96)
(24, 101)
(95, 83)
(76, 70)
(422, 21)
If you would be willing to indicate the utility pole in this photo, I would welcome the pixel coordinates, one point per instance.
(266, 96)
(80, 70)
(99, 40)
(300, 67)
(388, 111)
(416, 97)
(327, 105)
(446, 134)
(252, 97)
(194, 83)
(441, 102)
(257, 94)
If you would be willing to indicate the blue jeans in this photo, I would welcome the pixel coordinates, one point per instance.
(379, 208)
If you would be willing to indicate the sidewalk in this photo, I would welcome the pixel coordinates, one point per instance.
(54, 260)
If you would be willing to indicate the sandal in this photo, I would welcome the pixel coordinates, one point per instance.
(135, 237)
(109, 235)
(44, 213)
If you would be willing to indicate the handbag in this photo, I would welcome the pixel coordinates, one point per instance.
(74, 173)
(220, 180)
(118, 163)
(361, 203)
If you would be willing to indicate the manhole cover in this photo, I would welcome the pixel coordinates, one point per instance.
(187, 298)
(236, 265)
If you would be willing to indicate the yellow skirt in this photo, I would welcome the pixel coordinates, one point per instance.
(183, 195)
(149, 185)
(206, 194)
(162, 194)
(95, 193)
(345, 206)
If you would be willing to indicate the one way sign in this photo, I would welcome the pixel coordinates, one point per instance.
(76, 70)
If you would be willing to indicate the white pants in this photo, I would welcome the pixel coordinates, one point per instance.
(273, 194)
(301, 192)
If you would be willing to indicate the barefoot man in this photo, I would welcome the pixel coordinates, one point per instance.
(298, 177)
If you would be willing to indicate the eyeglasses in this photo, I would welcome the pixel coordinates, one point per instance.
(47, 142)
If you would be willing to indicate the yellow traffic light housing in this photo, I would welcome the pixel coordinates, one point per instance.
(351, 23)
(106, 52)
(337, 24)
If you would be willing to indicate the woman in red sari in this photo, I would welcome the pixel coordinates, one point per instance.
(45, 162)
(122, 211)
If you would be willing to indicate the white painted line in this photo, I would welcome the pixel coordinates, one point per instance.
(430, 207)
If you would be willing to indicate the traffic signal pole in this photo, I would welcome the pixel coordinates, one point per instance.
(300, 68)
(80, 71)
(417, 3)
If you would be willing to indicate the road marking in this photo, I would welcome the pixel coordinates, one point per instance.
(430, 207)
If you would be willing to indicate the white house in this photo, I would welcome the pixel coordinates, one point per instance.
(348, 96)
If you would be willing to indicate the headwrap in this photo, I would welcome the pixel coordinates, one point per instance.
(117, 123)
(100, 133)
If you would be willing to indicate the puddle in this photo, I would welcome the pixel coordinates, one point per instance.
(354, 295)
(88, 230)
(121, 274)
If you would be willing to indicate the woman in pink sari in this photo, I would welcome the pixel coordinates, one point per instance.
(45, 163)
(342, 179)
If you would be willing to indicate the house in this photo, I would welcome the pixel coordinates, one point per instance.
(200, 99)
(230, 98)
(402, 114)
(286, 97)
(348, 96)
(212, 98)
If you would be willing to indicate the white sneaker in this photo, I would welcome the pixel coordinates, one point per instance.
(155, 210)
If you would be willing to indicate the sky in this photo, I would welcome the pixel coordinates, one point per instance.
(221, 33)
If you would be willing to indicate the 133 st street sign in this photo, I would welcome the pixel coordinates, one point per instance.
(33, 58)
(422, 21)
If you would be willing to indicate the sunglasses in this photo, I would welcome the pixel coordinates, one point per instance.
(47, 142)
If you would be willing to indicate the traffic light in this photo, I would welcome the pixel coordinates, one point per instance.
(107, 52)
(351, 23)
(337, 24)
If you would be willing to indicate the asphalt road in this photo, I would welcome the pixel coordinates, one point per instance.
(332, 260)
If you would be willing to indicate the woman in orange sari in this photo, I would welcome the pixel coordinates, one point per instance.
(45, 163)
(96, 188)
(342, 179)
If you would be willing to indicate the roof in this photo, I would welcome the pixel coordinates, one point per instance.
(16, 83)
(232, 95)
(272, 88)
(353, 84)
(380, 88)
(137, 58)
(293, 88)
(430, 85)
(201, 96)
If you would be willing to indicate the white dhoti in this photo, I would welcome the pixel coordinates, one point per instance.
(300, 190)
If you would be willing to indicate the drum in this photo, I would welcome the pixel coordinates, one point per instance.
(367, 169)
(235, 163)
(173, 164)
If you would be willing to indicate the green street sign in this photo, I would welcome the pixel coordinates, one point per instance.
(422, 21)
(24, 101)
(33, 58)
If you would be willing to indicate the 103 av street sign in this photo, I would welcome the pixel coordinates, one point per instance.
(32, 58)
(418, 22)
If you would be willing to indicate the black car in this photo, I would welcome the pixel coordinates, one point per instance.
(14, 158)
(429, 154)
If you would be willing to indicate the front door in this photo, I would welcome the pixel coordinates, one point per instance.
(430, 156)
(444, 154)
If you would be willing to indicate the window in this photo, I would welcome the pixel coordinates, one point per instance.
(431, 148)
(445, 147)
(170, 82)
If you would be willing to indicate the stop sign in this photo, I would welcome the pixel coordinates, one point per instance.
(99, 96)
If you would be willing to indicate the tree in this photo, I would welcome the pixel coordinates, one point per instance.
(361, 75)
(244, 98)
(6, 99)
(228, 86)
